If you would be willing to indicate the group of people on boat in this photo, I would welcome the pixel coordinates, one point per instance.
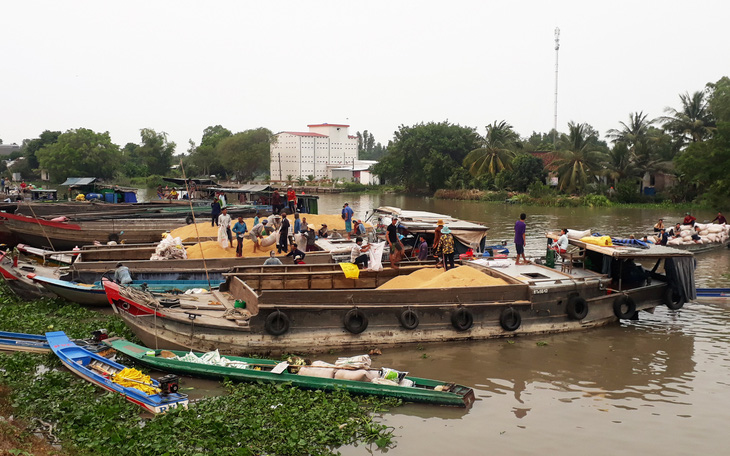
(664, 235)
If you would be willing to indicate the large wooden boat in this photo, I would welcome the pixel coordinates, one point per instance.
(66, 235)
(422, 389)
(305, 312)
(103, 373)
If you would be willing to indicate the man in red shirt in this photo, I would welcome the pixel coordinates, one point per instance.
(689, 220)
(291, 200)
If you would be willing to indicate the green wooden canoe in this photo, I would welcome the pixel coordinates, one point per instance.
(424, 390)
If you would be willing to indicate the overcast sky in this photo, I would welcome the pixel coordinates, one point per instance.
(180, 66)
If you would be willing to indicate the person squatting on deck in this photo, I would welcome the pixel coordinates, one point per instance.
(240, 229)
(445, 248)
(356, 254)
(561, 244)
(121, 275)
(520, 238)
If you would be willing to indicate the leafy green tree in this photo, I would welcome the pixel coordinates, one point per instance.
(80, 152)
(579, 157)
(31, 146)
(538, 142)
(203, 159)
(496, 151)
(719, 99)
(155, 152)
(693, 122)
(619, 165)
(634, 134)
(246, 154)
(526, 169)
(412, 155)
(367, 148)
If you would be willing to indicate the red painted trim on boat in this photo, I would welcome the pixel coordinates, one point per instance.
(7, 275)
(36, 221)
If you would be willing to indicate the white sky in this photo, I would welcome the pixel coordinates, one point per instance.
(180, 66)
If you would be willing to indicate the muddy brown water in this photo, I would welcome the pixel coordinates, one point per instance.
(660, 385)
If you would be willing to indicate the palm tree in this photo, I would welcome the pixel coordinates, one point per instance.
(619, 164)
(496, 152)
(579, 157)
(694, 121)
(634, 133)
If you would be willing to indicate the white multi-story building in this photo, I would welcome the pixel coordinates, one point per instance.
(312, 153)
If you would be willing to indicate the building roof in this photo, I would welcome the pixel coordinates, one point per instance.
(301, 133)
(547, 157)
(327, 125)
(72, 181)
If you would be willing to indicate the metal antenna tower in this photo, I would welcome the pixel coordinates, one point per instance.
(555, 125)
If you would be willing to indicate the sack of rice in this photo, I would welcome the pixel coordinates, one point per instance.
(354, 362)
(685, 233)
(318, 369)
(270, 240)
(576, 234)
(704, 232)
(360, 375)
(701, 226)
(674, 242)
(715, 228)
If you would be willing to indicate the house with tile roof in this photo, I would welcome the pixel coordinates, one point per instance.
(312, 153)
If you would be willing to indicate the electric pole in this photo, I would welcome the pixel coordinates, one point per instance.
(555, 125)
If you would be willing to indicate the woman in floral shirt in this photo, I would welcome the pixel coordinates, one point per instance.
(445, 248)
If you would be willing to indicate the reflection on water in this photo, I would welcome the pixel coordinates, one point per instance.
(657, 385)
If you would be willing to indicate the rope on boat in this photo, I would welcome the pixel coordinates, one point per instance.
(197, 233)
(42, 229)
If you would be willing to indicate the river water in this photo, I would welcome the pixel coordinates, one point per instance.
(660, 385)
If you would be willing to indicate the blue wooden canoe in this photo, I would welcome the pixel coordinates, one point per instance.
(94, 295)
(35, 343)
(101, 371)
(715, 293)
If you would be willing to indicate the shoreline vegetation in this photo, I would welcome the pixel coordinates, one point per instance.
(42, 397)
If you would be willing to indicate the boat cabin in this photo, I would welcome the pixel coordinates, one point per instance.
(43, 194)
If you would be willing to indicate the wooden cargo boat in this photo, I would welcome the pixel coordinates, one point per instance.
(306, 313)
(66, 235)
(102, 372)
(423, 390)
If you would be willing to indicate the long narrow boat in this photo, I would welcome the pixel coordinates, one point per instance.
(101, 372)
(318, 311)
(20, 277)
(35, 343)
(713, 294)
(94, 295)
(423, 390)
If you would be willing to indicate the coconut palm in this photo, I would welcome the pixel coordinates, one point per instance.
(693, 122)
(579, 157)
(619, 164)
(633, 134)
(497, 150)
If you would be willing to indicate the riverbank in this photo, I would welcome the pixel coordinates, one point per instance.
(554, 199)
(247, 419)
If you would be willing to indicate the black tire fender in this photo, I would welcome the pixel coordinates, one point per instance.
(355, 321)
(510, 319)
(277, 323)
(408, 319)
(674, 300)
(577, 308)
(621, 303)
(462, 319)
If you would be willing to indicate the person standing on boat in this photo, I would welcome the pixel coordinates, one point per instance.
(445, 248)
(396, 247)
(283, 244)
(121, 275)
(291, 200)
(304, 227)
(719, 219)
(422, 249)
(258, 232)
(272, 260)
(561, 245)
(224, 228)
(240, 229)
(347, 214)
(276, 202)
(256, 219)
(659, 226)
(521, 238)
(311, 238)
(215, 211)
(297, 224)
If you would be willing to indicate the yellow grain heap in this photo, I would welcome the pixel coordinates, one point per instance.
(212, 249)
(187, 233)
(462, 276)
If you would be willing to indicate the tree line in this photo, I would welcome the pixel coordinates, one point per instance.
(691, 143)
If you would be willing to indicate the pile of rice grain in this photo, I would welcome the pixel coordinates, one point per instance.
(462, 276)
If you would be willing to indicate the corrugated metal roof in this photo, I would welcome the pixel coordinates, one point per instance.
(71, 181)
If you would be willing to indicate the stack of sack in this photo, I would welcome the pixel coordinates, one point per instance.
(169, 248)
(356, 368)
(709, 233)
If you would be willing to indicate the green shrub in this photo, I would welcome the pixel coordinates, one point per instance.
(596, 201)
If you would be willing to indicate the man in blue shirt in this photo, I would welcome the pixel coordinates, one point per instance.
(347, 214)
(520, 238)
(121, 275)
(240, 229)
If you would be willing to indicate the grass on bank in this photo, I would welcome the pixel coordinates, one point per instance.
(249, 419)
